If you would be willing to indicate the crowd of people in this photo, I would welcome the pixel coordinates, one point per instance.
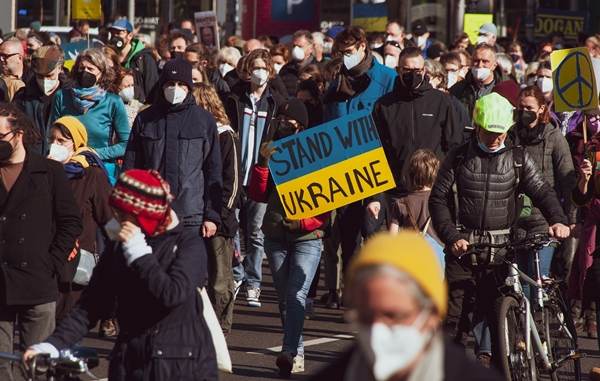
(153, 159)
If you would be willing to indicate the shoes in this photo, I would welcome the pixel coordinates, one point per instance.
(333, 300)
(289, 364)
(591, 328)
(309, 310)
(109, 328)
(484, 360)
(298, 364)
(253, 297)
(237, 285)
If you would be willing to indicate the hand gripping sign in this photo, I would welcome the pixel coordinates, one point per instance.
(575, 87)
(328, 166)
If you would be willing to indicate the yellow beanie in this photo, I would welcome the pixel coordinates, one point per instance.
(410, 253)
(76, 129)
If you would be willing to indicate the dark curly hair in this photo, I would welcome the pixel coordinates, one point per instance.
(18, 121)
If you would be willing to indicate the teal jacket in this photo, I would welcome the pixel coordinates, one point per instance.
(106, 123)
(382, 80)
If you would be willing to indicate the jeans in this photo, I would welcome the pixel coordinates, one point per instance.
(293, 265)
(36, 323)
(526, 263)
(252, 214)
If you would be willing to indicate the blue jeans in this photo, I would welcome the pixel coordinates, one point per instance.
(527, 265)
(293, 265)
(252, 214)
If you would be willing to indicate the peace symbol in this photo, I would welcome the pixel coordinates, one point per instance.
(579, 86)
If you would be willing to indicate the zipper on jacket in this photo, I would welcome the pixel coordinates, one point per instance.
(485, 195)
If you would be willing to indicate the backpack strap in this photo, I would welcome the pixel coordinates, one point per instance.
(426, 228)
(461, 152)
(411, 218)
(518, 160)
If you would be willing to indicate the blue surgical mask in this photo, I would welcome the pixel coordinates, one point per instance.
(486, 149)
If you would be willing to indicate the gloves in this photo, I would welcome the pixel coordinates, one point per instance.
(136, 247)
(45, 348)
(265, 153)
(292, 225)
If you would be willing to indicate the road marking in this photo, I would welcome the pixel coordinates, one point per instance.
(308, 343)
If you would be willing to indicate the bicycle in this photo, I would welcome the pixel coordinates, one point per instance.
(67, 367)
(521, 347)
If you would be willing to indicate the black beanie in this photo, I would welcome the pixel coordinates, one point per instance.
(177, 70)
(295, 109)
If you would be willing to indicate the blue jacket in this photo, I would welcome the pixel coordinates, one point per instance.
(182, 143)
(382, 82)
(101, 122)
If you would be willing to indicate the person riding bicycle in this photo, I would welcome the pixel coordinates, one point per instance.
(485, 177)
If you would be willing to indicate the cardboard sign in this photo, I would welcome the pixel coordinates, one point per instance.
(328, 166)
(574, 81)
(86, 10)
(207, 29)
(473, 21)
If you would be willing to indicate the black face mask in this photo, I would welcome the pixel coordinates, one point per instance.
(527, 117)
(86, 79)
(117, 42)
(412, 80)
(6, 151)
(176, 55)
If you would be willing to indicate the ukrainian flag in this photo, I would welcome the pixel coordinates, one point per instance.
(370, 17)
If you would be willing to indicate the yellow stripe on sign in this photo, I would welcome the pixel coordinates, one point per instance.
(337, 185)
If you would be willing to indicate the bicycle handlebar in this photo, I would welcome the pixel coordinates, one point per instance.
(534, 241)
(77, 361)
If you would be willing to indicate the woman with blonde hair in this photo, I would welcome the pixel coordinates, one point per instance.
(221, 286)
(101, 111)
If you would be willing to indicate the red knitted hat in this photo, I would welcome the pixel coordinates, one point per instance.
(145, 195)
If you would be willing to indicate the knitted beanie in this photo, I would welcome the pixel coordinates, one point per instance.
(179, 70)
(145, 195)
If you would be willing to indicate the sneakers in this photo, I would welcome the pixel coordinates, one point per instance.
(333, 300)
(309, 309)
(484, 360)
(253, 297)
(109, 328)
(237, 285)
(289, 364)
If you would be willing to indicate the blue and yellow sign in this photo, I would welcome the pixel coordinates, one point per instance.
(329, 166)
(574, 81)
(370, 17)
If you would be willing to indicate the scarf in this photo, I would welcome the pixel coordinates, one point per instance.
(355, 80)
(83, 158)
(86, 97)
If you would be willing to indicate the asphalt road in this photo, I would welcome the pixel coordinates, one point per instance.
(256, 337)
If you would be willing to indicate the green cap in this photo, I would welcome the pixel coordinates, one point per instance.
(494, 113)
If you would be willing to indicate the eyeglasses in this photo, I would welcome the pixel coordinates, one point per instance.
(5, 57)
(393, 43)
(2, 136)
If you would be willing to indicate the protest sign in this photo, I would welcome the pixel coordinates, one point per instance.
(473, 21)
(329, 166)
(207, 29)
(574, 81)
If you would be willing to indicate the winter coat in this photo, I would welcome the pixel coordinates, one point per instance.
(262, 190)
(411, 120)
(102, 121)
(487, 191)
(39, 223)
(163, 335)
(551, 154)
(181, 142)
(290, 75)
(382, 80)
(466, 90)
(37, 106)
(145, 68)
(232, 180)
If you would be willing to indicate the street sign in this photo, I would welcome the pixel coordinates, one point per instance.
(548, 21)
(574, 81)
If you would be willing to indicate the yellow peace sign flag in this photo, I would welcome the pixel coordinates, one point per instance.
(575, 87)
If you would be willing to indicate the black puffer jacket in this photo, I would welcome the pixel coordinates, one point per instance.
(550, 152)
(486, 185)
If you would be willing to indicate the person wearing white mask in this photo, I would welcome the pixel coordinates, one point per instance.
(544, 81)
(391, 54)
(302, 54)
(488, 34)
(319, 46)
(36, 97)
(227, 60)
(421, 37)
(127, 92)
(180, 140)
(398, 300)
(395, 32)
(251, 108)
(480, 80)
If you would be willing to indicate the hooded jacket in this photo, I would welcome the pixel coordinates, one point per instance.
(145, 68)
(182, 143)
(487, 191)
(408, 120)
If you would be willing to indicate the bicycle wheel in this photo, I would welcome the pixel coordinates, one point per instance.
(512, 342)
(561, 339)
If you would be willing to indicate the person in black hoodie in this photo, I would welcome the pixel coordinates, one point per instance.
(151, 272)
(35, 99)
(302, 55)
(414, 116)
(178, 138)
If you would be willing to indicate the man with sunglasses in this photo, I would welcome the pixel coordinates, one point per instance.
(12, 68)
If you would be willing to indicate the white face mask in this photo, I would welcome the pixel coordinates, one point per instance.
(463, 72)
(452, 78)
(481, 73)
(277, 67)
(59, 153)
(351, 60)
(112, 229)
(482, 40)
(298, 53)
(391, 61)
(393, 348)
(421, 40)
(225, 68)
(259, 77)
(47, 85)
(545, 84)
(327, 47)
(376, 45)
(175, 94)
(127, 94)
